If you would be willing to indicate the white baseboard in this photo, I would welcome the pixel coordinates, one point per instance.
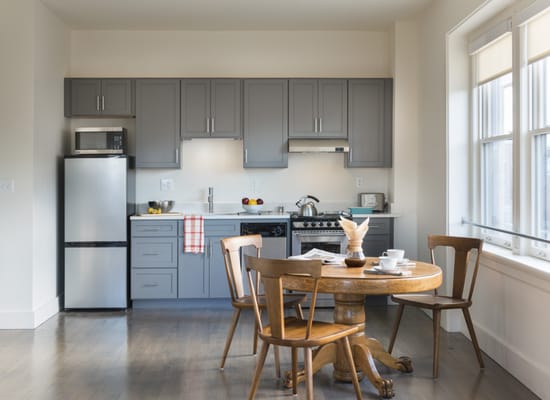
(29, 319)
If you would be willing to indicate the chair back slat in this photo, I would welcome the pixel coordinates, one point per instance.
(231, 249)
(463, 247)
(271, 272)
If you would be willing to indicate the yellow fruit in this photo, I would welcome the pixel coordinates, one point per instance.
(252, 202)
(151, 210)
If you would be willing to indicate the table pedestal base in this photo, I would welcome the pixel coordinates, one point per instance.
(350, 310)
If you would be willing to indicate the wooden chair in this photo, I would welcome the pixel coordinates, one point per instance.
(463, 249)
(231, 253)
(291, 331)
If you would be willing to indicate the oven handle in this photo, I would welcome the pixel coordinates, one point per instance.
(305, 237)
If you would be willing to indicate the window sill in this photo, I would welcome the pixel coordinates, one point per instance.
(530, 270)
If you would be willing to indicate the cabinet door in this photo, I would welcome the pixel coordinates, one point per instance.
(265, 123)
(219, 288)
(226, 108)
(370, 122)
(195, 108)
(117, 97)
(302, 108)
(333, 106)
(192, 274)
(85, 97)
(157, 123)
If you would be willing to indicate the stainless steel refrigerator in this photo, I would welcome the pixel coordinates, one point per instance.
(99, 197)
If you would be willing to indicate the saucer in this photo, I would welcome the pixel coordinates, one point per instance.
(379, 269)
(403, 261)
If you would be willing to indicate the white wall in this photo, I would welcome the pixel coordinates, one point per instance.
(218, 163)
(28, 254)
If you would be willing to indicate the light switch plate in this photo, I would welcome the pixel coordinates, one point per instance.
(166, 185)
(7, 185)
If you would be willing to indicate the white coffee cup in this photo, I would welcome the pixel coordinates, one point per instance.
(398, 254)
(387, 263)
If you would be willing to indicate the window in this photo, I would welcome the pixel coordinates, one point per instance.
(512, 131)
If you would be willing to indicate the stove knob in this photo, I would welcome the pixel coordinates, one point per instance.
(321, 224)
(306, 224)
(313, 224)
(329, 223)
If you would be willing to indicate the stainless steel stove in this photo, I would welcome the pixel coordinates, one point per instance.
(322, 231)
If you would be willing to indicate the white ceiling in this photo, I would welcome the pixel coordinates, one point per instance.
(233, 14)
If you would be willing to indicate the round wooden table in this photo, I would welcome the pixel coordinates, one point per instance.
(350, 286)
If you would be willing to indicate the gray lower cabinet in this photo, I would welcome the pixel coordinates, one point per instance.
(153, 260)
(203, 275)
(379, 237)
(99, 97)
(211, 108)
(318, 108)
(157, 123)
(265, 123)
(370, 113)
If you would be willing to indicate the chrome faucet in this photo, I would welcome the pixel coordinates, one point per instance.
(210, 199)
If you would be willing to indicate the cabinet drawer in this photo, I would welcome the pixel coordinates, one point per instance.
(377, 226)
(154, 252)
(223, 228)
(154, 228)
(157, 283)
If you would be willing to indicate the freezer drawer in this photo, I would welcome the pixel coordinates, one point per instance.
(96, 277)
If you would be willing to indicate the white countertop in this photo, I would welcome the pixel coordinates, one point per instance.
(180, 215)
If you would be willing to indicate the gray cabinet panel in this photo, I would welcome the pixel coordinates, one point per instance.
(154, 252)
(219, 287)
(192, 274)
(99, 97)
(265, 123)
(379, 237)
(157, 123)
(157, 283)
(370, 112)
(154, 228)
(318, 108)
(211, 108)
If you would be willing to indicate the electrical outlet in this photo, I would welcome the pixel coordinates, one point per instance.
(166, 185)
(359, 181)
(7, 185)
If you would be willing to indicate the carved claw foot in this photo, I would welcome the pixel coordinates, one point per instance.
(404, 364)
(386, 389)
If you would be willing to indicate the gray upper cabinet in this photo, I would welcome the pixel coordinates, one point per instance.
(265, 123)
(370, 111)
(157, 123)
(99, 97)
(318, 108)
(211, 108)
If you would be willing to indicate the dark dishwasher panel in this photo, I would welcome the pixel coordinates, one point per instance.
(274, 237)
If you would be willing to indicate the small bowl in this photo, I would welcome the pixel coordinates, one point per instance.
(253, 208)
(164, 205)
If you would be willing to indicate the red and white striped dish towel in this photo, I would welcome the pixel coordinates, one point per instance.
(193, 239)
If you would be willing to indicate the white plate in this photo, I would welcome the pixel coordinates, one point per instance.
(403, 261)
(390, 271)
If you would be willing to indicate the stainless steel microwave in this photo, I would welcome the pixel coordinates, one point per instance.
(101, 140)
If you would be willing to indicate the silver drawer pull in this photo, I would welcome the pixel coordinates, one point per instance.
(150, 230)
(151, 254)
(151, 285)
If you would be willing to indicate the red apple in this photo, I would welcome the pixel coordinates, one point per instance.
(245, 200)
(259, 201)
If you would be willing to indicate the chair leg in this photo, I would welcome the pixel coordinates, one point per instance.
(299, 312)
(468, 319)
(258, 371)
(308, 357)
(294, 353)
(396, 326)
(436, 325)
(277, 361)
(230, 334)
(255, 343)
(349, 356)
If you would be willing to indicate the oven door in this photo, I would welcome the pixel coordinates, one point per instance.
(303, 241)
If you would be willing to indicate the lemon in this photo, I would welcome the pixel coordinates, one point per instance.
(252, 202)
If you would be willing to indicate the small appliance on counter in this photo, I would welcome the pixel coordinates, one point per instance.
(375, 201)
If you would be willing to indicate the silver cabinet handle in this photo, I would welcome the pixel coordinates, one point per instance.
(212, 125)
(150, 254)
(102, 103)
(150, 285)
(97, 103)
(207, 125)
(177, 155)
(320, 124)
(350, 155)
(315, 123)
(245, 156)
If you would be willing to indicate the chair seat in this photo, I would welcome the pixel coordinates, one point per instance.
(430, 301)
(321, 333)
(289, 300)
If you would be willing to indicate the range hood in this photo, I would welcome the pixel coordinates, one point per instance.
(318, 146)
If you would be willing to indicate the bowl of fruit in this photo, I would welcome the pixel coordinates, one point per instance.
(160, 206)
(252, 206)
